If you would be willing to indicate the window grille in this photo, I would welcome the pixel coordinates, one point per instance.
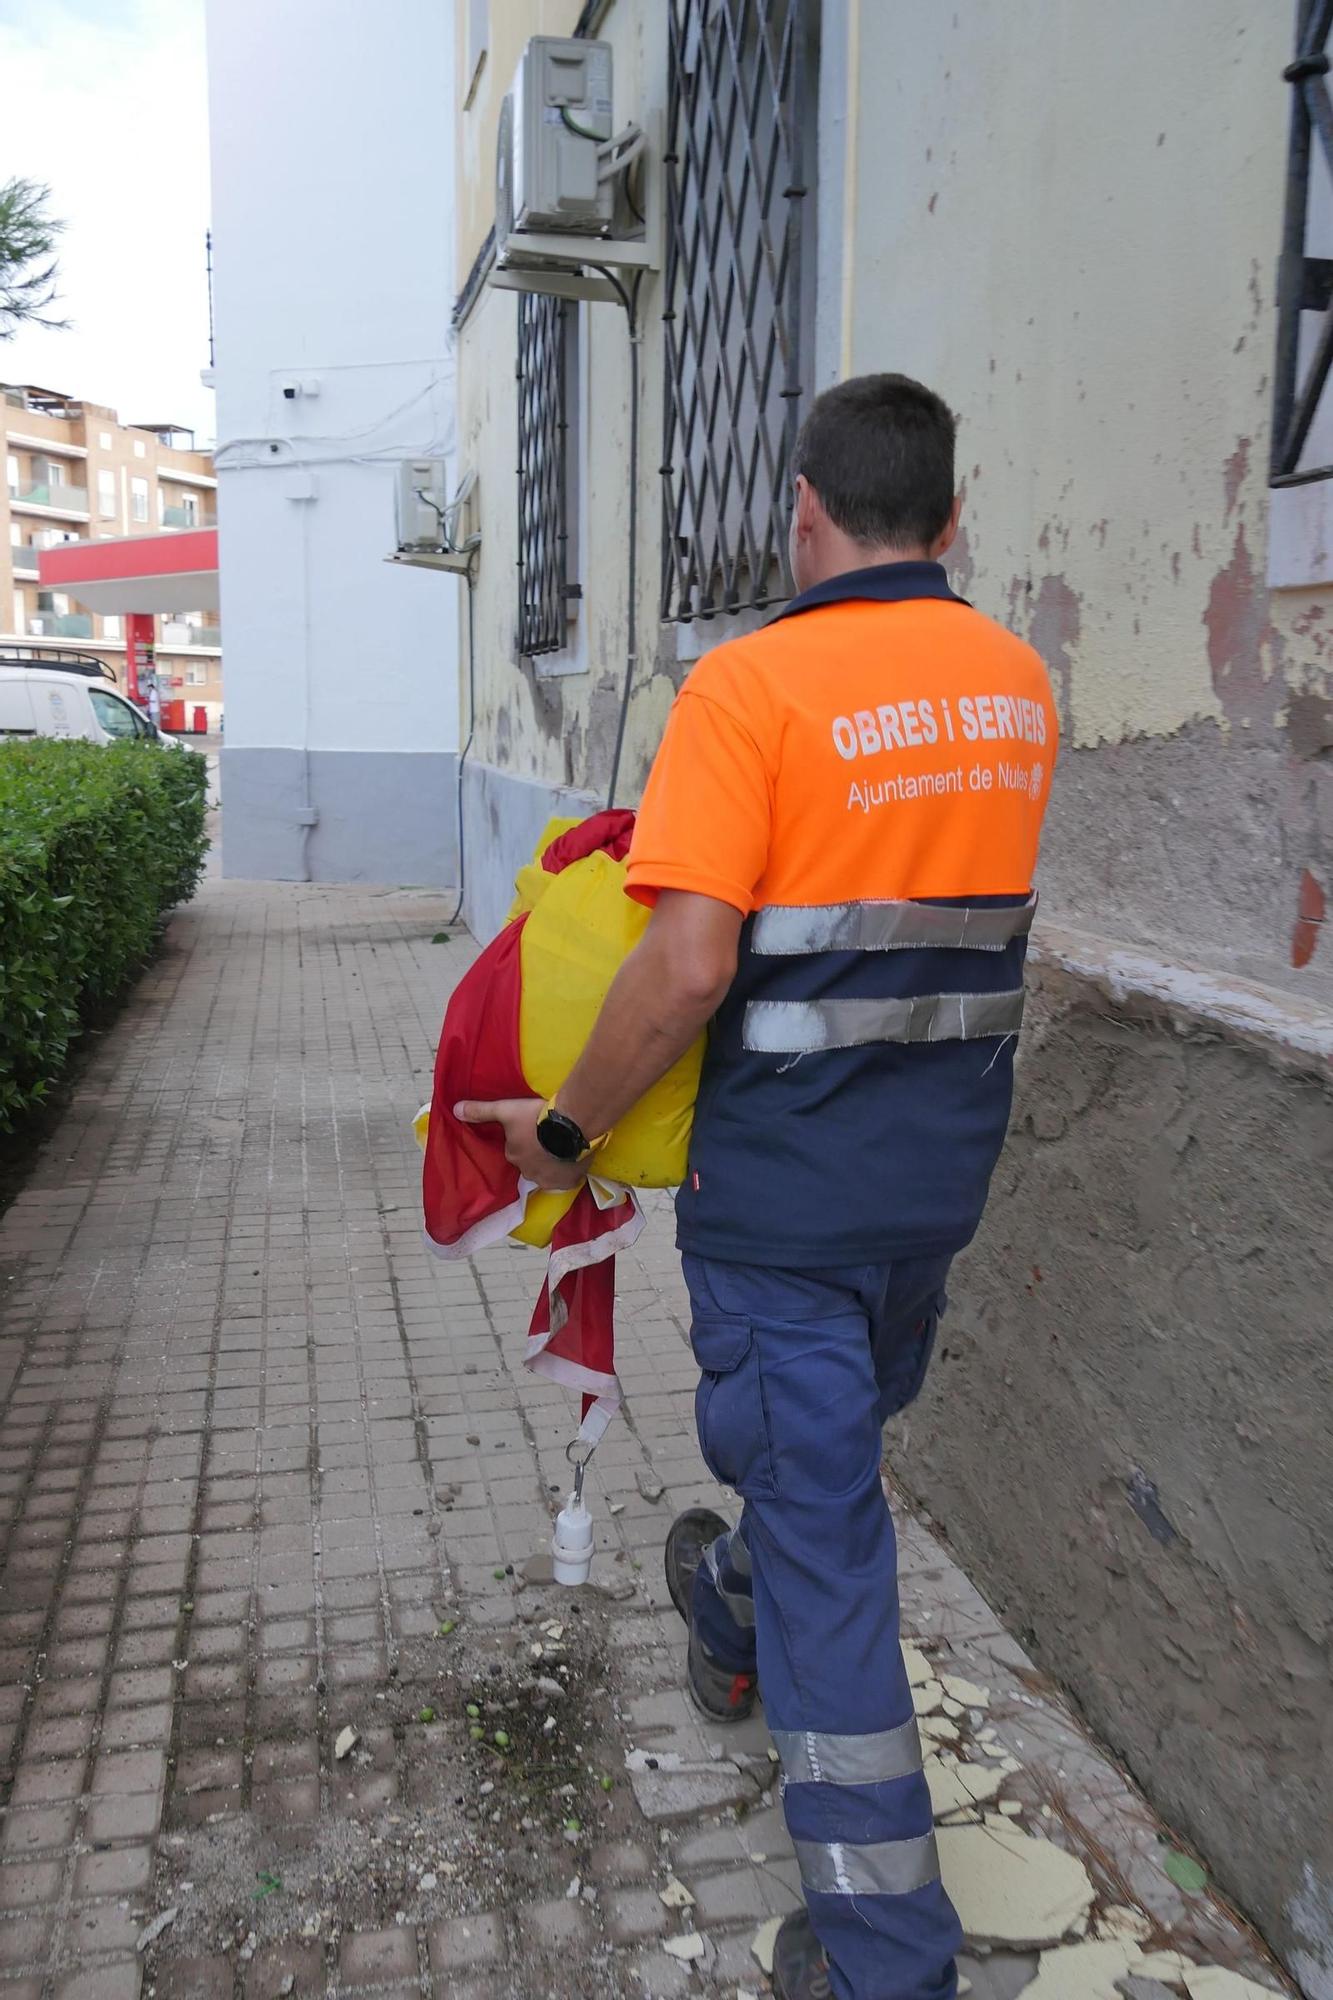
(1302, 429)
(543, 529)
(740, 105)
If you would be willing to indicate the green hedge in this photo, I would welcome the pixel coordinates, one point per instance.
(96, 841)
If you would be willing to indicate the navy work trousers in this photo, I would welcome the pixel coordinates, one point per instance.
(800, 1369)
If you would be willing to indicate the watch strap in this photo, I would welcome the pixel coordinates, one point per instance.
(583, 1146)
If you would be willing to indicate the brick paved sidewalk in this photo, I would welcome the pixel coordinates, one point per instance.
(271, 1479)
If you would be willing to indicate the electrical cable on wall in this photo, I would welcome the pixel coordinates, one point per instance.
(471, 732)
(307, 683)
(630, 301)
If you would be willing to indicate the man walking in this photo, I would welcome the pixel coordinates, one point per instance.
(838, 840)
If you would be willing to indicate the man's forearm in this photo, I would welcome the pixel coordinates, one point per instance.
(649, 1018)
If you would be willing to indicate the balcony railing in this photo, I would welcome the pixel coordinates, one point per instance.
(72, 499)
(178, 517)
(177, 636)
(61, 625)
(25, 561)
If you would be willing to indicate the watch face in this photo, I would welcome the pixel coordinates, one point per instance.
(560, 1137)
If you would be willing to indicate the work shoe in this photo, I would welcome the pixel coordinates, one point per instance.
(800, 1969)
(689, 1538)
(717, 1692)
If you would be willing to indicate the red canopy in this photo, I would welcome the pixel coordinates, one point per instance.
(168, 572)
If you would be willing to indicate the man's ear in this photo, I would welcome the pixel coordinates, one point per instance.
(944, 541)
(805, 509)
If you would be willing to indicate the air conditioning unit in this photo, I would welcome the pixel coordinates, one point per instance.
(422, 506)
(430, 533)
(553, 126)
(565, 202)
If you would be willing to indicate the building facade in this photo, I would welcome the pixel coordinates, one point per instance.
(1125, 1429)
(74, 472)
(332, 239)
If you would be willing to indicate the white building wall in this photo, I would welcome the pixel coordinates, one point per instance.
(333, 259)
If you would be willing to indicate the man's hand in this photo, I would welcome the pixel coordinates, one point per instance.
(661, 997)
(523, 1149)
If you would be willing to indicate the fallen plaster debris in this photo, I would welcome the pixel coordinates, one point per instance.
(687, 1948)
(1122, 1922)
(1167, 1965)
(762, 1944)
(346, 1743)
(1213, 1982)
(937, 1729)
(152, 1932)
(1089, 1971)
(927, 1697)
(649, 1485)
(676, 1896)
(954, 1786)
(919, 1669)
(966, 1692)
(1011, 1889)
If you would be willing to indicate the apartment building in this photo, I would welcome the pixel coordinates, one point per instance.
(73, 472)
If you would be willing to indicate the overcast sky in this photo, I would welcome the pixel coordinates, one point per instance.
(106, 101)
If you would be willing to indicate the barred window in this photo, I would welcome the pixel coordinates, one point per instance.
(545, 369)
(1302, 412)
(742, 94)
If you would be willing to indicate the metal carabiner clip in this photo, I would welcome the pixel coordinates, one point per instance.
(579, 1463)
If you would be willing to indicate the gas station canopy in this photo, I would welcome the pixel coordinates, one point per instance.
(176, 571)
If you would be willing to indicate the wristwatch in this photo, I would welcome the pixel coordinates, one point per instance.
(563, 1139)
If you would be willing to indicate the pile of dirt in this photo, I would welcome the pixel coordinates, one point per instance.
(505, 1766)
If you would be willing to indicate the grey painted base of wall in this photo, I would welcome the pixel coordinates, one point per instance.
(1196, 845)
(503, 817)
(1125, 1432)
(383, 816)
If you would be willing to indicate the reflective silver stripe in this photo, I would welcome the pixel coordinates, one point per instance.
(784, 930)
(884, 1868)
(797, 1027)
(738, 1555)
(809, 1757)
(737, 1602)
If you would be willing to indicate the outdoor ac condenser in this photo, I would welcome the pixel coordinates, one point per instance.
(421, 506)
(553, 123)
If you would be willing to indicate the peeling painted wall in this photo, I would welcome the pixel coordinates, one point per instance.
(555, 720)
(1068, 220)
(1125, 1431)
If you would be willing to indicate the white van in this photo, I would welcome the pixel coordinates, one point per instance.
(69, 694)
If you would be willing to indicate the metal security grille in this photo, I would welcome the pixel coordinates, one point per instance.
(740, 101)
(1305, 282)
(543, 531)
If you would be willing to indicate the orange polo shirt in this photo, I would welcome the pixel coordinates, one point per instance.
(864, 780)
(865, 750)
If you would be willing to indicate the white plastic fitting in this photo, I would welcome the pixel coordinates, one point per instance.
(571, 1544)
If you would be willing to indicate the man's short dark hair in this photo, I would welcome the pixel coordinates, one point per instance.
(878, 451)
